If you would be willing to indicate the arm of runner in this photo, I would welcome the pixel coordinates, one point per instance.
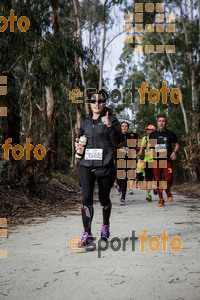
(114, 132)
(106, 120)
(149, 149)
(140, 151)
(143, 146)
(173, 155)
(81, 132)
(77, 145)
(122, 144)
(148, 146)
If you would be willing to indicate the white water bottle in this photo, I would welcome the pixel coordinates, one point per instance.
(82, 141)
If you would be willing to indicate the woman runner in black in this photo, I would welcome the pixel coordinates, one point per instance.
(122, 183)
(103, 133)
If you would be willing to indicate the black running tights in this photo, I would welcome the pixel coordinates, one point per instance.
(87, 182)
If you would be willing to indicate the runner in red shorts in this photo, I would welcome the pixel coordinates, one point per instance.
(165, 138)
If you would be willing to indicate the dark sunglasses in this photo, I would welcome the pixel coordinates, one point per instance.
(100, 101)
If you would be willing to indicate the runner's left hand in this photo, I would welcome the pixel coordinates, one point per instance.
(106, 120)
(173, 156)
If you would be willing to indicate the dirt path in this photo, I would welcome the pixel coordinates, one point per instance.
(41, 265)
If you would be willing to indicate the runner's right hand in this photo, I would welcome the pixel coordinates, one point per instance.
(77, 145)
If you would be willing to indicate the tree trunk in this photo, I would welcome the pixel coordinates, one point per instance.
(30, 134)
(77, 129)
(199, 14)
(78, 120)
(191, 11)
(178, 86)
(55, 21)
(75, 37)
(72, 135)
(77, 23)
(189, 56)
(103, 48)
(51, 103)
(90, 43)
(31, 121)
(51, 127)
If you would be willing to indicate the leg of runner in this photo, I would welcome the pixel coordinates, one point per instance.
(140, 178)
(119, 187)
(124, 189)
(87, 181)
(168, 174)
(115, 164)
(105, 185)
(158, 176)
(133, 169)
(148, 177)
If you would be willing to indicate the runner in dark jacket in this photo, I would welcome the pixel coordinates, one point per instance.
(164, 156)
(103, 133)
(122, 183)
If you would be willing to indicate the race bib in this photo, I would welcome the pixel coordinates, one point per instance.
(93, 154)
(160, 147)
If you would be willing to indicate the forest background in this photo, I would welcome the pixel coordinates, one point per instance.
(66, 47)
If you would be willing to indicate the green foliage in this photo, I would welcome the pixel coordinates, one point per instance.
(156, 68)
